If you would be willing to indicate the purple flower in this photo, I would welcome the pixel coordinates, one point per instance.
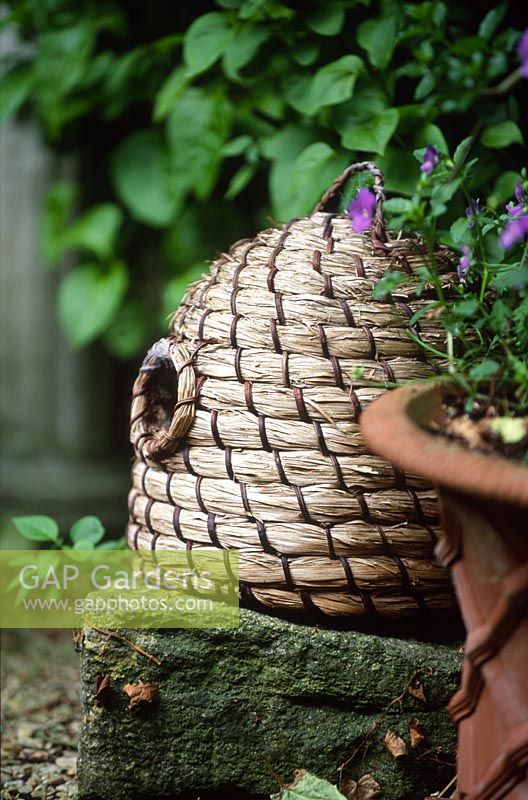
(522, 50)
(519, 192)
(430, 160)
(472, 210)
(361, 210)
(514, 210)
(515, 231)
(464, 263)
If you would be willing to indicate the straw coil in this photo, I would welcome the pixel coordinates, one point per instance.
(245, 420)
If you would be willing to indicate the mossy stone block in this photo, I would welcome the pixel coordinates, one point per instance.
(237, 706)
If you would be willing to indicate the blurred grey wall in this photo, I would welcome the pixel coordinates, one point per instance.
(55, 404)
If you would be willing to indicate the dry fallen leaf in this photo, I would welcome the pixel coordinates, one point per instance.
(416, 732)
(366, 788)
(102, 690)
(395, 744)
(418, 691)
(141, 693)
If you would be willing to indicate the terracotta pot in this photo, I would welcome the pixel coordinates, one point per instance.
(484, 501)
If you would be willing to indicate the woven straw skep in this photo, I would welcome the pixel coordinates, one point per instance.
(245, 421)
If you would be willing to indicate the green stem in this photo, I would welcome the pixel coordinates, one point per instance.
(505, 85)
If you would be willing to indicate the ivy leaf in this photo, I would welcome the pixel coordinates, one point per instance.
(15, 88)
(502, 135)
(37, 528)
(96, 230)
(327, 20)
(57, 208)
(308, 787)
(313, 172)
(87, 530)
(242, 48)
(334, 83)
(197, 129)
(128, 332)
(140, 172)
(205, 41)
(240, 180)
(372, 136)
(377, 37)
(170, 90)
(88, 299)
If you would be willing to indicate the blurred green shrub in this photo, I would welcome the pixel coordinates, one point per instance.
(194, 122)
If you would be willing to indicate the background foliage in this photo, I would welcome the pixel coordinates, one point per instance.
(196, 122)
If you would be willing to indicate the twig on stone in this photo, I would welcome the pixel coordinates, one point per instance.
(112, 635)
(375, 726)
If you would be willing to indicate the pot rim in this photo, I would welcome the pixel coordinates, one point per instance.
(392, 427)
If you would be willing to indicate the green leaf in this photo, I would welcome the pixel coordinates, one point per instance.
(237, 146)
(462, 151)
(87, 529)
(197, 130)
(240, 180)
(485, 370)
(58, 206)
(15, 88)
(140, 173)
(128, 331)
(373, 136)
(205, 41)
(96, 230)
(334, 83)
(491, 21)
(431, 134)
(425, 86)
(502, 135)
(37, 528)
(113, 544)
(390, 281)
(242, 48)
(249, 8)
(512, 278)
(88, 299)
(459, 229)
(377, 37)
(313, 172)
(397, 205)
(308, 787)
(170, 90)
(175, 289)
(305, 53)
(327, 20)
(503, 188)
(466, 308)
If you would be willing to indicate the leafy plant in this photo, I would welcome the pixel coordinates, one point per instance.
(484, 311)
(87, 533)
(176, 115)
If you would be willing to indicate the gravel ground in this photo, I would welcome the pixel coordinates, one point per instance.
(41, 715)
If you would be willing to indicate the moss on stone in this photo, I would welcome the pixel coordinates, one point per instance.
(271, 696)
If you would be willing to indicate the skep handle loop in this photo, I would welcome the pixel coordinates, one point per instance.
(379, 233)
(164, 400)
